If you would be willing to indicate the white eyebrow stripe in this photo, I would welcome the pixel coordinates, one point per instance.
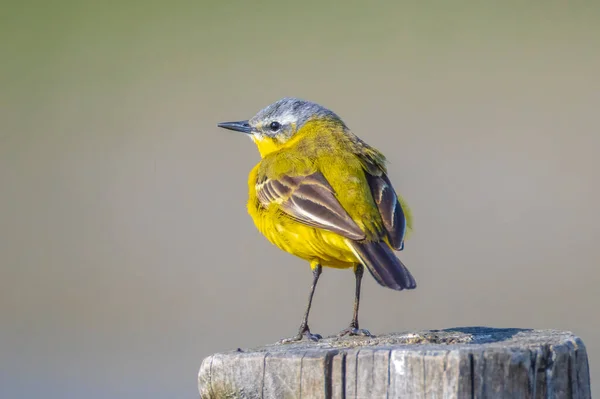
(286, 118)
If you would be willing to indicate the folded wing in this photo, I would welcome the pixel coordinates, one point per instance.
(311, 200)
(390, 208)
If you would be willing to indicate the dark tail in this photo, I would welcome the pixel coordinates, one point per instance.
(383, 264)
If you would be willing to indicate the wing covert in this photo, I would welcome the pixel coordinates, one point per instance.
(311, 200)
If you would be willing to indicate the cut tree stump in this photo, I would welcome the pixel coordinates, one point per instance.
(473, 362)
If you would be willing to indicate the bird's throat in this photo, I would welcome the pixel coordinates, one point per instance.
(266, 145)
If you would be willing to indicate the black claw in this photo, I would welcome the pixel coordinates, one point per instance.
(351, 331)
(306, 334)
(313, 337)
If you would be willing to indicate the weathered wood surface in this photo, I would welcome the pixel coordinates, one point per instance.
(474, 362)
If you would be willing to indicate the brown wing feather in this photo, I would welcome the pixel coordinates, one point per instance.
(390, 209)
(311, 200)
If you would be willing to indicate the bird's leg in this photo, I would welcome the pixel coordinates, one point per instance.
(304, 331)
(353, 328)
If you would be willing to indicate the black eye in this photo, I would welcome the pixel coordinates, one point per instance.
(275, 126)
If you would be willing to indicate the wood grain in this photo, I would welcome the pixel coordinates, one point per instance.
(472, 362)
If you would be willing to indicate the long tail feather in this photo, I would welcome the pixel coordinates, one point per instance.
(383, 264)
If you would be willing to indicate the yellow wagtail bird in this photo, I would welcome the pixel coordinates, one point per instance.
(322, 194)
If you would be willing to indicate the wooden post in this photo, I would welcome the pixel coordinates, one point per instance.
(473, 362)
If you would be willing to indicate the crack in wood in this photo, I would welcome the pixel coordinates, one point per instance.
(493, 363)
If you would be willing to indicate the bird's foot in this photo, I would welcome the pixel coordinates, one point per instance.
(353, 331)
(304, 333)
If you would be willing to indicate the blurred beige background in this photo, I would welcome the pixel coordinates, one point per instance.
(126, 252)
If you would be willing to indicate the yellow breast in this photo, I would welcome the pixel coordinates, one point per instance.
(296, 238)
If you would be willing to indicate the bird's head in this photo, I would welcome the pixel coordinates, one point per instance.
(278, 124)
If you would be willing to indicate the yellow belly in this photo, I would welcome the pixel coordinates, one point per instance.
(309, 243)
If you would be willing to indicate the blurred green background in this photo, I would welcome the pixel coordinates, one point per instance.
(126, 252)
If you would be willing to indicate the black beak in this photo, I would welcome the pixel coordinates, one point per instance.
(241, 126)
